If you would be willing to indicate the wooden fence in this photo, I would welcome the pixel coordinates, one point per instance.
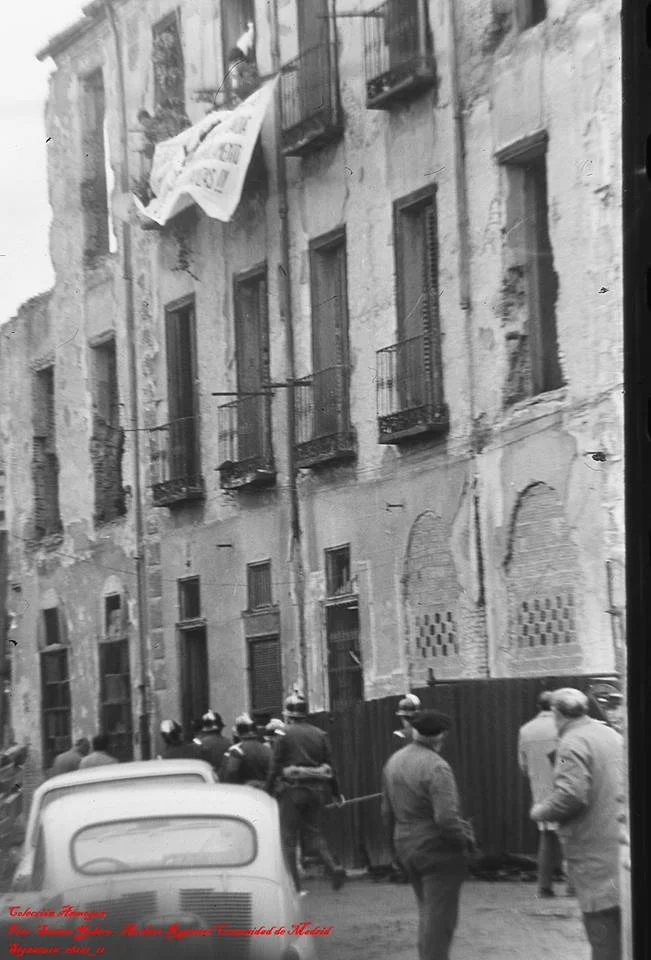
(481, 748)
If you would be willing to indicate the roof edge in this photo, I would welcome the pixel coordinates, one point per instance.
(92, 12)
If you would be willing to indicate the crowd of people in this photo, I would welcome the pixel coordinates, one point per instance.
(575, 767)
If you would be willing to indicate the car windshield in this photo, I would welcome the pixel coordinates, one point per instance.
(169, 843)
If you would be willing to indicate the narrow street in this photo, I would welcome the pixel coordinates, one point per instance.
(503, 921)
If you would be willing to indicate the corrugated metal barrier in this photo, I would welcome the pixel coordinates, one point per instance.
(481, 748)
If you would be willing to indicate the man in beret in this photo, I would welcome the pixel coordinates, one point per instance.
(587, 803)
(420, 808)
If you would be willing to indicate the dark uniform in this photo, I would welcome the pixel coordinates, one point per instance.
(303, 779)
(181, 751)
(247, 762)
(212, 747)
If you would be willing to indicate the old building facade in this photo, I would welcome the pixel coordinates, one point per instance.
(368, 433)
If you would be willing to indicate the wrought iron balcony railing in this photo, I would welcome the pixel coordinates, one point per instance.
(322, 417)
(409, 392)
(245, 448)
(176, 462)
(398, 53)
(309, 100)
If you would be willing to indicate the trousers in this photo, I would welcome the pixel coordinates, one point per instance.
(300, 815)
(604, 930)
(437, 895)
(550, 858)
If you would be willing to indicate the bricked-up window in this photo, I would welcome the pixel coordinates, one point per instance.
(115, 697)
(530, 12)
(418, 364)
(259, 585)
(189, 598)
(530, 286)
(168, 63)
(107, 440)
(55, 687)
(338, 578)
(45, 466)
(265, 676)
(94, 194)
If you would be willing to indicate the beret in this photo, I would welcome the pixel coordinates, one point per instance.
(429, 723)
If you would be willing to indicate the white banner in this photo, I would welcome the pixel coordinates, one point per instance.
(207, 163)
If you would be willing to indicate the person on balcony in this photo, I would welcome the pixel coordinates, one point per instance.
(242, 73)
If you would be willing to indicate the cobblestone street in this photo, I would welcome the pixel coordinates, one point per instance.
(503, 921)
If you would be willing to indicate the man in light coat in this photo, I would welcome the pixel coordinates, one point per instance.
(587, 802)
(70, 760)
(536, 746)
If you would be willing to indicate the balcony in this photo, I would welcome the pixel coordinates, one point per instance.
(322, 417)
(409, 394)
(309, 101)
(399, 61)
(245, 443)
(175, 462)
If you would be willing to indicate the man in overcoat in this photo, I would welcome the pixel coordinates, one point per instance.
(587, 803)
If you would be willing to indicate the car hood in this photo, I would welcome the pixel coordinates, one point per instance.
(148, 916)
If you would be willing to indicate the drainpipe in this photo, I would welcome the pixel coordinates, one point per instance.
(127, 271)
(464, 261)
(286, 316)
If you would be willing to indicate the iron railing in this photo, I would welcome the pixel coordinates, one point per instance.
(409, 391)
(175, 461)
(245, 448)
(322, 416)
(398, 53)
(309, 98)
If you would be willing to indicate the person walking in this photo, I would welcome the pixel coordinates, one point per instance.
(248, 761)
(537, 741)
(175, 747)
(587, 802)
(303, 779)
(212, 745)
(99, 755)
(69, 761)
(427, 835)
(408, 708)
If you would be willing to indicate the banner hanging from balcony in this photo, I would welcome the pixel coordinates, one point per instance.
(207, 164)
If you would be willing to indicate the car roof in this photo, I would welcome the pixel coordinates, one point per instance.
(72, 812)
(126, 771)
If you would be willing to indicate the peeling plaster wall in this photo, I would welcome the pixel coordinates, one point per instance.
(512, 85)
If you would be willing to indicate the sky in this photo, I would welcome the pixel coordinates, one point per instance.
(25, 267)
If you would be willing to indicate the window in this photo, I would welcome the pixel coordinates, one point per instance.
(52, 626)
(265, 676)
(238, 48)
(94, 193)
(183, 429)
(189, 599)
(115, 697)
(338, 579)
(168, 63)
(259, 584)
(345, 676)
(530, 284)
(107, 440)
(195, 687)
(530, 12)
(113, 622)
(45, 467)
(55, 701)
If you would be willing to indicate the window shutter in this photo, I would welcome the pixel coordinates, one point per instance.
(266, 675)
(431, 316)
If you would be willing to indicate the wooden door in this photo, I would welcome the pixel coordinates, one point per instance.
(183, 431)
(329, 339)
(252, 351)
(195, 691)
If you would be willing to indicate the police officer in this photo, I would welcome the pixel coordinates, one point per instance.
(212, 745)
(176, 748)
(248, 761)
(408, 708)
(275, 728)
(303, 780)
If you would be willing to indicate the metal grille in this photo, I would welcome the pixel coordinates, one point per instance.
(55, 688)
(115, 697)
(435, 635)
(345, 676)
(127, 909)
(245, 429)
(545, 621)
(232, 909)
(308, 86)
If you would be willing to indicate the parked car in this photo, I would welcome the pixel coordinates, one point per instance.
(180, 873)
(96, 781)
